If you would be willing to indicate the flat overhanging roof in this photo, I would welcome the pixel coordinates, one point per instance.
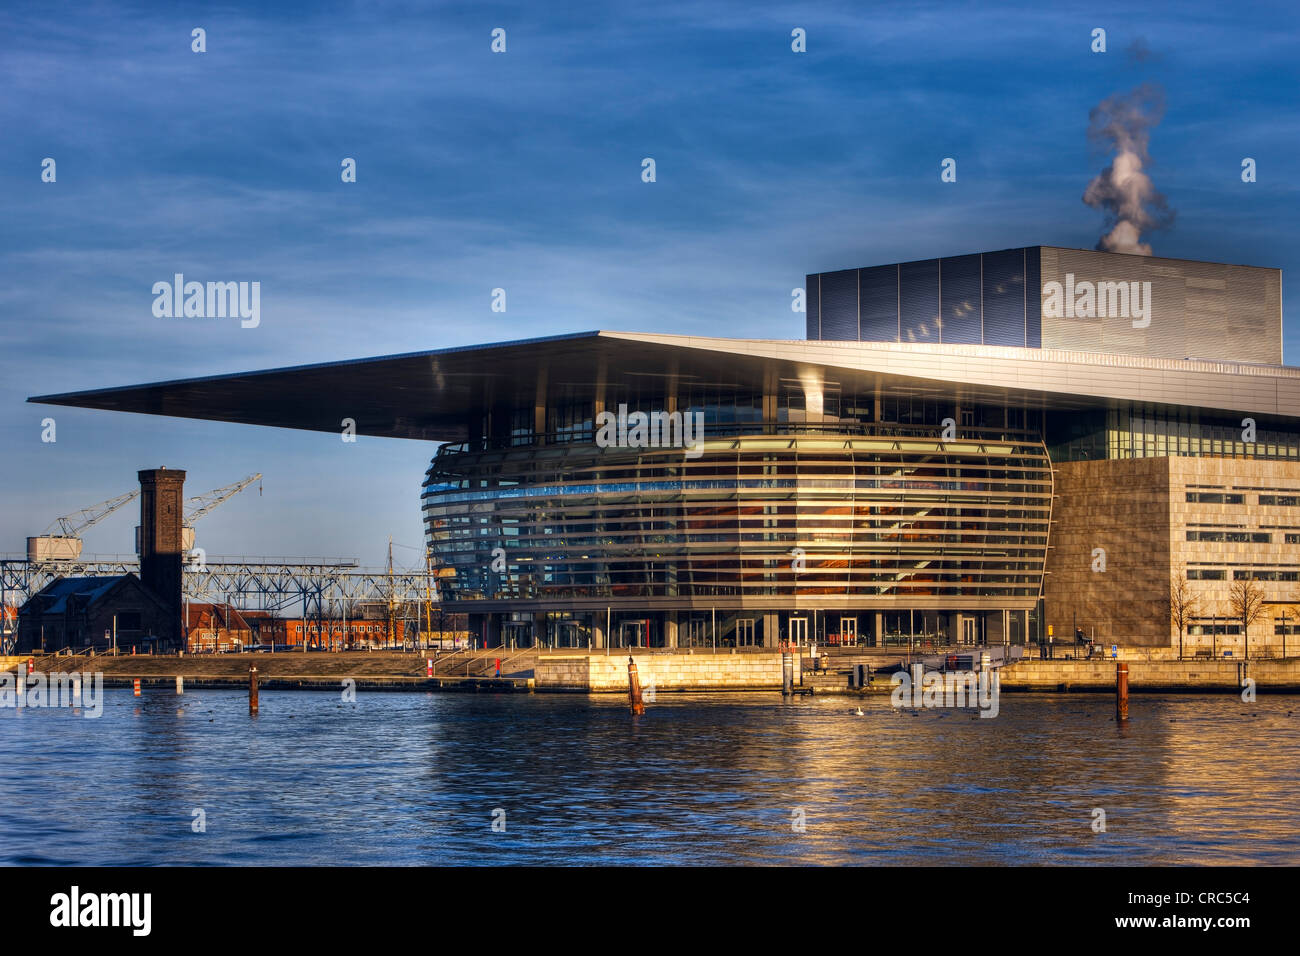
(433, 395)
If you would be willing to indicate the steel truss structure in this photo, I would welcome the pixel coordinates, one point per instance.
(318, 586)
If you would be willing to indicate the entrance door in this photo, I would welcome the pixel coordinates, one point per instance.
(517, 634)
(634, 633)
(745, 632)
(573, 634)
(799, 630)
(849, 631)
(967, 630)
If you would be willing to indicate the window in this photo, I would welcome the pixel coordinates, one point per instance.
(1245, 574)
(1286, 501)
(1207, 574)
(1217, 498)
(1235, 537)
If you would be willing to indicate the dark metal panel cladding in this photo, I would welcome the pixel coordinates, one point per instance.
(959, 300)
(839, 298)
(813, 303)
(1004, 298)
(1034, 296)
(879, 303)
(919, 301)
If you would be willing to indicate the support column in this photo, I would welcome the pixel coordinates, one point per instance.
(670, 629)
(771, 629)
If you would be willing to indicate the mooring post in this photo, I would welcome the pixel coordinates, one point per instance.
(634, 687)
(252, 689)
(136, 685)
(1121, 691)
(787, 672)
(76, 689)
(180, 684)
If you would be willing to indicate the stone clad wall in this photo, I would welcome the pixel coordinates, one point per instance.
(1121, 507)
(601, 673)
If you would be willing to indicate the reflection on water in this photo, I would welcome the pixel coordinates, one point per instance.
(414, 778)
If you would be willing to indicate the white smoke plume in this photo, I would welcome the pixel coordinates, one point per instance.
(1122, 124)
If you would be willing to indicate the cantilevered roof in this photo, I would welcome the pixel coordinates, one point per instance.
(432, 395)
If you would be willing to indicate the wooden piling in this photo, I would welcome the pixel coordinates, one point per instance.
(1121, 691)
(634, 688)
(135, 684)
(252, 689)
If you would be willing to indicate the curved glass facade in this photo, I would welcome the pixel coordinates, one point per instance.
(757, 520)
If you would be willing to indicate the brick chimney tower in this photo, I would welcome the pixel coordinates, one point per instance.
(161, 520)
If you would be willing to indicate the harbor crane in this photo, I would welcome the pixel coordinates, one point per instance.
(201, 505)
(61, 541)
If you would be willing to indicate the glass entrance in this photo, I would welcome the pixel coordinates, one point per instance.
(745, 632)
(697, 633)
(634, 633)
(848, 635)
(517, 634)
(573, 634)
(799, 630)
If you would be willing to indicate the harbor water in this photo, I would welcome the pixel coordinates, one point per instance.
(424, 778)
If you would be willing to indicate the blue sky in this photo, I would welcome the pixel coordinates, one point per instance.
(522, 170)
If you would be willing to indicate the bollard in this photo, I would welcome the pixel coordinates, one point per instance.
(252, 689)
(76, 690)
(429, 662)
(985, 663)
(31, 664)
(787, 673)
(634, 688)
(135, 684)
(180, 684)
(1121, 691)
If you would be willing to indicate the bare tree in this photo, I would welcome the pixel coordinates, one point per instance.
(1183, 604)
(1246, 598)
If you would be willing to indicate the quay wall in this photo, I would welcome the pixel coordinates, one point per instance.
(1186, 675)
(598, 673)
